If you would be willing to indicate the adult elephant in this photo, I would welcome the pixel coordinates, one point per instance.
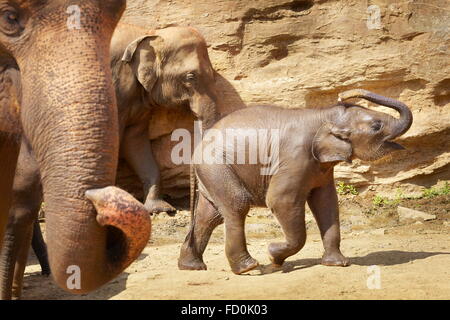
(169, 68)
(69, 118)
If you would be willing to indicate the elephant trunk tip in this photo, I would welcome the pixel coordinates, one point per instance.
(118, 209)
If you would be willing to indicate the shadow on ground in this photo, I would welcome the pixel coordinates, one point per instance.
(392, 257)
(34, 281)
(381, 258)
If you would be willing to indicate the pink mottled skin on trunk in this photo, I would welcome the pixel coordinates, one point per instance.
(119, 209)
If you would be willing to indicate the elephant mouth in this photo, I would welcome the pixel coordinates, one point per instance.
(386, 147)
(391, 145)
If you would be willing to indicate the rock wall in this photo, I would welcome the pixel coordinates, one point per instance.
(303, 53)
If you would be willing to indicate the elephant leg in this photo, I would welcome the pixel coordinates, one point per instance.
(286, 198)
(40, 248)
(31, 231)
(21, 262)
(206, 219)
(292, 221)
(138, 153)
(26, 197)
(233, 202)
(235, 242)
(9, 258)
(14, 256)
(323, 203)
(9, 151)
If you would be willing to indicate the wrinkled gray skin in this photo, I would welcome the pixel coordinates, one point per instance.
(169, 68)
(311, 143)
(68, 114)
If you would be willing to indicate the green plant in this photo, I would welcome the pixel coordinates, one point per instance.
(434, 192)
(398, 197)
(379, 201)
(399, 194)
(344, 189)
(446, 189)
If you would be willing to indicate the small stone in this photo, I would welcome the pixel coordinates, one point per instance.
(410, 214)
(356, 220)
(378, 232)
(256, 227)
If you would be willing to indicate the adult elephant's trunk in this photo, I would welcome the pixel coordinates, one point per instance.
(70, 117)
(401, 125)
(204, 107)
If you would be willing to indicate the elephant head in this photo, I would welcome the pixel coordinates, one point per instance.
(173, 68)
(352, 131)
(69, 116)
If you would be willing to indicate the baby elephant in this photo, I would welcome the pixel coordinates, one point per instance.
(297, 151)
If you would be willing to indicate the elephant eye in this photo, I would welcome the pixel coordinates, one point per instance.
(376, 126)
(191, 77)
(11, 17)
(9, 22)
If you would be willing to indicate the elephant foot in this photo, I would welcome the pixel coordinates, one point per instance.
(244, 265)
(276, 263)
(191, 264)
(277, 253)
(45, 272)
(335, 259)
(156, 206)
(45, 267)
(189, 259)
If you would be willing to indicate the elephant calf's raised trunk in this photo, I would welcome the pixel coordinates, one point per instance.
(401, 125)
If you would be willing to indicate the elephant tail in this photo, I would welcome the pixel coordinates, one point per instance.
(193, 190)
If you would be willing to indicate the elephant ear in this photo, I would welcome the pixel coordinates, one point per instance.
(331, 144)
(141, 55)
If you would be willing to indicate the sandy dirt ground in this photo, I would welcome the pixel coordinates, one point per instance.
(413, 261)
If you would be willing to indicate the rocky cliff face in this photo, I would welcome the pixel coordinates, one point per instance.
(303, 53)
